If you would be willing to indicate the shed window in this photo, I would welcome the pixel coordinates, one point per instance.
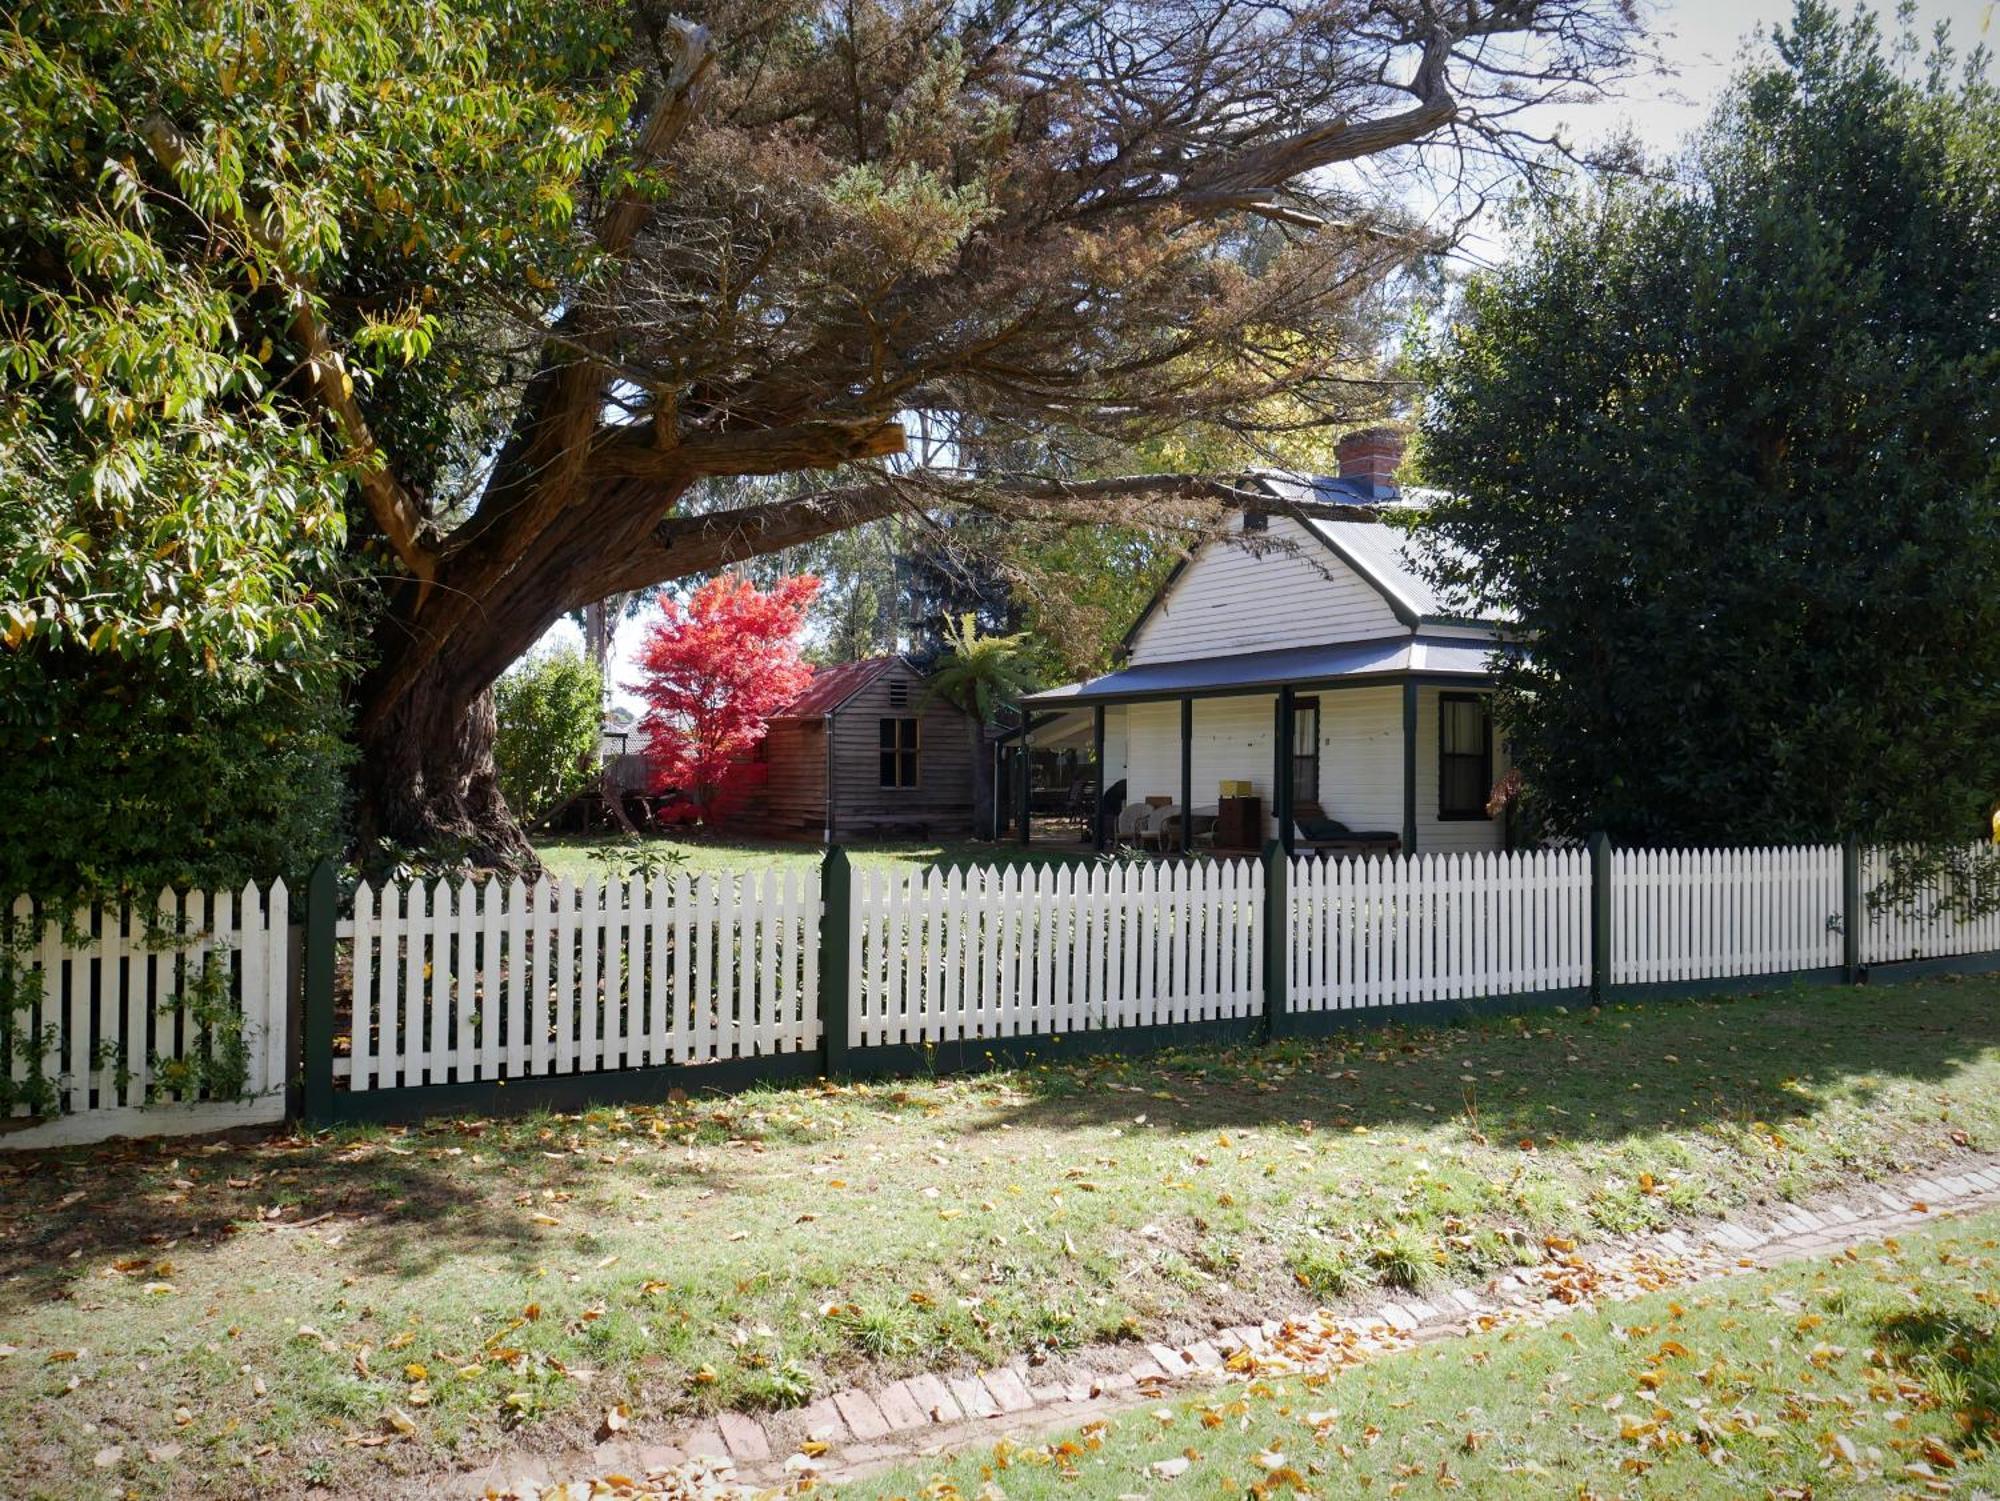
(1465, 755)
(899, 752)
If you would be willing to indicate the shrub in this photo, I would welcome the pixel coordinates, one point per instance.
(550, 713)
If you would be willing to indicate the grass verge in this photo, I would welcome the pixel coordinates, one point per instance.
(1873, 1373)
(292, 1312)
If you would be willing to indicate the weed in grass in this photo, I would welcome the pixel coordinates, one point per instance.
(1217, 1255)
(1405, 1257)
(1056, 1329)
(1486, 1250)
(1326, 1269)
(880, 1333)
(1624, 1209)
(786, 1384)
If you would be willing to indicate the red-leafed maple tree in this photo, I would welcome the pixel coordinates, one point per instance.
(714, 671)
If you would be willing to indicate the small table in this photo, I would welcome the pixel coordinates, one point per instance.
(1239, 823)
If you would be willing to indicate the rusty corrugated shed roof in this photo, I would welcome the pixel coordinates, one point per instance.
(833, 686)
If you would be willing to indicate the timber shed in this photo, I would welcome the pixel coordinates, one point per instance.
(862, 754)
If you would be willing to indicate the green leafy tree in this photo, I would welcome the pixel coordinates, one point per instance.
(1082, 587)
(548, 715)
(1725, 449)
(981, 675)
(239, 246)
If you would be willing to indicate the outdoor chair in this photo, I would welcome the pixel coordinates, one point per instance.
(1152, 833)
(1313, 830)
(1131, 819)
(1202, 829)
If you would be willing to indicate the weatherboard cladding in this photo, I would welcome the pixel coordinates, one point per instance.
(1286, 589)
(1337, 580)
(832, 730)
(1360, 749)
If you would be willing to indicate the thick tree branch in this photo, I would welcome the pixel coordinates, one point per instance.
(664, 129)
(543, 457)
(685, 545)
(631, 453)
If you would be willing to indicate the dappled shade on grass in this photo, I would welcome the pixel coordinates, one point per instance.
(767, 1248)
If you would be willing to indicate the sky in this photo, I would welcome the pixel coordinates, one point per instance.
(1699, 42)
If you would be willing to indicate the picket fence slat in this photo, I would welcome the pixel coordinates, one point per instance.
(145, 1018)
(510, 981)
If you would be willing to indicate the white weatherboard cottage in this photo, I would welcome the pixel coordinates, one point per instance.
(1328, 625)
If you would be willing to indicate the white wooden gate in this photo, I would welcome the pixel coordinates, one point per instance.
(146, 1019)
(1400, 929)
(503, 980)
(944, 954)
(1714, 913)
(1923, 924)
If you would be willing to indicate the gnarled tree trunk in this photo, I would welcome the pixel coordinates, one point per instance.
(424, 715)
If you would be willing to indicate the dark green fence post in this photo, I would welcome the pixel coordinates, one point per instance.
(1600, 917)
(1277, 934)
(320, 917)
(1850, 908)
(836, 889)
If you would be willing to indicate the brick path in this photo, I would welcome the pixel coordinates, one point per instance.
(857, 1432)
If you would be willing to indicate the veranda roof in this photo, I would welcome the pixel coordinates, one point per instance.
(1389, 658)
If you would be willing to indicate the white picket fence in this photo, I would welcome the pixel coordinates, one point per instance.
(1715, 913)
(942, 955)
(1403, 929)
(451, 985)
(128, 1020)
(1926, 927)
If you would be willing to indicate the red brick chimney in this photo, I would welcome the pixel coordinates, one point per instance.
(1371, 458)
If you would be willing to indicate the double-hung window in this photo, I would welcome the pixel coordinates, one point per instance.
(899, 752)
(1465, 755)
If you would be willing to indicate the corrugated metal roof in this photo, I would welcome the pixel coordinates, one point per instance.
(1393, 656)
(833, 686)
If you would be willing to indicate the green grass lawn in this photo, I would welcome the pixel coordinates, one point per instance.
(271, 1313)
(1871, 1375)
(572, 855)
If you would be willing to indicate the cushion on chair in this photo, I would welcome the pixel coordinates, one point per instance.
(1319, 826)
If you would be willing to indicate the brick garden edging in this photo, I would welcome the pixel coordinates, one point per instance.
(856, 1432)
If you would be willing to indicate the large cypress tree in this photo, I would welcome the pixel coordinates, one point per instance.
(1728, 449)
(347, 346)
